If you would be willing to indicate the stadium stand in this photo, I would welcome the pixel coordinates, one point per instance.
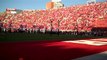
(80, 18)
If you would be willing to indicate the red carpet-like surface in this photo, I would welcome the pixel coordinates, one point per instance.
(53, 50)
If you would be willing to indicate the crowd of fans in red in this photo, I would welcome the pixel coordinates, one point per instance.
(74, 18)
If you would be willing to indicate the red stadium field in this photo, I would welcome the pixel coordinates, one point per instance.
(53, 50)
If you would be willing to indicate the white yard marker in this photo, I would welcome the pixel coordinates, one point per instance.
(95, 42)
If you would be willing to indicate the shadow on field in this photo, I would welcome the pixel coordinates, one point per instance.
(58, 50)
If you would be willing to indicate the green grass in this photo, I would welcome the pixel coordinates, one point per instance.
(20, 37)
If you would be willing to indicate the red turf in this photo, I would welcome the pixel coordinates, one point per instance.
(46, 50)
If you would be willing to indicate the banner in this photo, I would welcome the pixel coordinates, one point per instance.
(56, 0)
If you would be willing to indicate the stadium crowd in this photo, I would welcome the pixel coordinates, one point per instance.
(78, 18)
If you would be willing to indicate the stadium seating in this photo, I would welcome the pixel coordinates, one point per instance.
(74, 18)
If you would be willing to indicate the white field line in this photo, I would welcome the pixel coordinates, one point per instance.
(94, 42)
